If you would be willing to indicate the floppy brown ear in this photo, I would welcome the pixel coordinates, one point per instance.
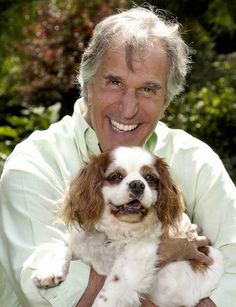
(170, 204)
(84, 201)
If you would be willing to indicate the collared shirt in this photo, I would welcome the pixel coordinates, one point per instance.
(34, 182)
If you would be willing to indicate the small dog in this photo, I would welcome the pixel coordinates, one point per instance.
(120, 206)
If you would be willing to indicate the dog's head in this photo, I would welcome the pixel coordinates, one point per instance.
(127, 184)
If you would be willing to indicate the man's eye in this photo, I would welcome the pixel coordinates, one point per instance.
(115, 177)
(147, 91)
(115, 82)
(151, 178)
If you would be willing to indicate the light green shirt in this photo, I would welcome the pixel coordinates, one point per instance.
(35, 179)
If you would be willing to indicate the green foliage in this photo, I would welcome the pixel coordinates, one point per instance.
(42, 46)
(207, 108)
(42, 43)
(52, 47)
(17, 127)
(208, 111)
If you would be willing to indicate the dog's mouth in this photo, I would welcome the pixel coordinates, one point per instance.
(132, 207)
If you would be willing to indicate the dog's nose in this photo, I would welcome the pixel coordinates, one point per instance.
(137, 187)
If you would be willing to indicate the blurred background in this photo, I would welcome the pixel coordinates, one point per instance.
(41, 43)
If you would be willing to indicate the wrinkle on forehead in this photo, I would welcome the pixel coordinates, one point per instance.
(140, 54)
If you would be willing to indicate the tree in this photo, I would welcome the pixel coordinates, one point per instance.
(40, 63)
(207, 108)
(52, 48)
(42, 46)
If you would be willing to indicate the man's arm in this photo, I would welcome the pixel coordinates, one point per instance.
(95, 284)
(215, 211)
(206, 302)
(29, 207)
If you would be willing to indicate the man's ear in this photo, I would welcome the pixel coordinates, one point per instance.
(89, 91)
(83, 106)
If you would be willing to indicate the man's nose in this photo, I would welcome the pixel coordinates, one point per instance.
(129, 103)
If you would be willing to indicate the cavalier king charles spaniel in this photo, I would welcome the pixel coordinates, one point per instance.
(120, 206)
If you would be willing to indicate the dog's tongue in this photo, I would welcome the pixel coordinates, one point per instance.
(132, 206)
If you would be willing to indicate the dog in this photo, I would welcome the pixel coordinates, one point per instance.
(120, 206)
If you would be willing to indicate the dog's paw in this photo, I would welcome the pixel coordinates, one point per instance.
(50, 275)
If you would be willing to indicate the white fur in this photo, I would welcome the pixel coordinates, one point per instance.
(124, 156)
(177, 285)
(127, 252)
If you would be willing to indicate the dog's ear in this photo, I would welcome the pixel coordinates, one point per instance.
(170, 204)
(84, 200)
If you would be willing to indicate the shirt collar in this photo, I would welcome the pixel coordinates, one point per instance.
(151, 142)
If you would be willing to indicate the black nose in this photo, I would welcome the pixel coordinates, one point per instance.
(137, 187)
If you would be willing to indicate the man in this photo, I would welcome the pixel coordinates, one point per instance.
(134, 65)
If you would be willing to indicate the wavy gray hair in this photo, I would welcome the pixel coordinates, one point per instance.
(135, 30)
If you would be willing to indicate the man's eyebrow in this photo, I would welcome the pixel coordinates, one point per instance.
(152, 84)
(113, 77)
(155, 85)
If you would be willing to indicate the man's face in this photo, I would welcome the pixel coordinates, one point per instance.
(125, 105)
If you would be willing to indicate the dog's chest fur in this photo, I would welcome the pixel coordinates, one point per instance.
(97, 249)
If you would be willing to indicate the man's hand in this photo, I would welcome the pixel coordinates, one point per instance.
(206, 302)
(184, 248)
(94, 286)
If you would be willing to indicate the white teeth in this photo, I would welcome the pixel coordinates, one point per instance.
(123, 127)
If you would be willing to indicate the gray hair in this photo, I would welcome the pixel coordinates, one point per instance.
(137, 29)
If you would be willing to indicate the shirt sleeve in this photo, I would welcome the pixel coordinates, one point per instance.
(215, 211)
(29, 205)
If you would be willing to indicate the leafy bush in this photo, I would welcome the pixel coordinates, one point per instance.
(208, 111)
(17, 127)
(42, 45)
(52, 47)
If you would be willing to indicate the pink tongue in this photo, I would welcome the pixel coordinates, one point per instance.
(132, 206)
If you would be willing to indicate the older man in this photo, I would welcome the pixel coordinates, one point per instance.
(135, 64)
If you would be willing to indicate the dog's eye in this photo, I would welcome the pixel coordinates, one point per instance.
(115, 177)
(151, 178)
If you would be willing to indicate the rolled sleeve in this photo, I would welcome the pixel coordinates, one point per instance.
(30, 199)
(215, 211)
(65, 294)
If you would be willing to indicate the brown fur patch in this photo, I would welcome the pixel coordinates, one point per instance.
(111, 177)
(170, 205)
(151, 171)
(84, 200)
(198, 266)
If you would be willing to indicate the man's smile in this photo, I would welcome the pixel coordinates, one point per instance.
(123, 127)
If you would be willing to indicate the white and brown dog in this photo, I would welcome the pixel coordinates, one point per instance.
(120, 206)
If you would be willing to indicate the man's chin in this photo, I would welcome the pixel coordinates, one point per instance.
(115, 141)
